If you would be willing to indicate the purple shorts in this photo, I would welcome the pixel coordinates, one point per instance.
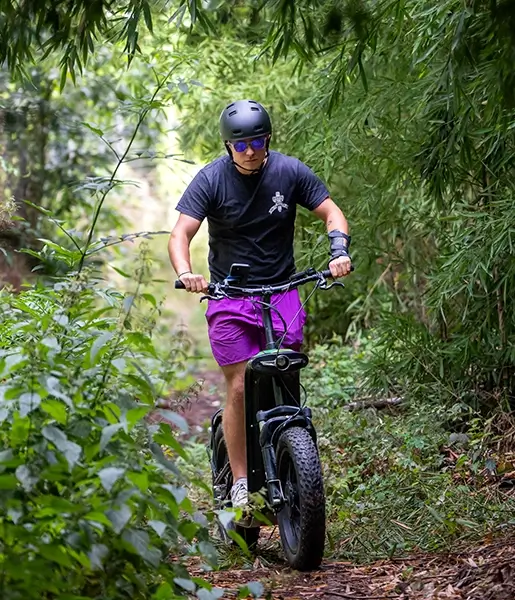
(235, 326)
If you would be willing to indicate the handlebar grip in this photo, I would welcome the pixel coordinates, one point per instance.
(179, 285)
(327, 272)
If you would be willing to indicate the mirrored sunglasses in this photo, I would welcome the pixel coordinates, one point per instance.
(256, 144)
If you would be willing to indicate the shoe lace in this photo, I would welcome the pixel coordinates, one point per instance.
(239, 488)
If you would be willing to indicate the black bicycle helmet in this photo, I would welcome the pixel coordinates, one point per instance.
(244, 119)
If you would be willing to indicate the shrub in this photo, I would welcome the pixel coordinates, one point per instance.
(90, 505)
(421, 476)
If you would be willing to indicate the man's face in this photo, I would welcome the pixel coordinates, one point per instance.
(249, 153)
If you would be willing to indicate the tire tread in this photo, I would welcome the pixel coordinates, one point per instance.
(304, 455)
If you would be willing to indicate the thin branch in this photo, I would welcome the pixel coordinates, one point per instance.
(121, 159)
(55, 221)
(116, 343)
(129, 238)
(379, 403)
(110, 146)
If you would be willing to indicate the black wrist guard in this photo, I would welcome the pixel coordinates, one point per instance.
(339, 244)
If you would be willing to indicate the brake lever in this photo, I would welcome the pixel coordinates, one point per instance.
(323, 285)
(216, 293)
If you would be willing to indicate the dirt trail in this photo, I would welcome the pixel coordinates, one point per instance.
(198, 403)
(486, 572)
(483, 573)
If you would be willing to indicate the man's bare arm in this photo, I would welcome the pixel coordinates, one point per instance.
(179, 252)
(332, 216)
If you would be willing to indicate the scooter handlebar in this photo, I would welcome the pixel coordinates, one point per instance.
(179, 285)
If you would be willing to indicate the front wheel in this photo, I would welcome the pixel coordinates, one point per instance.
(302, 519)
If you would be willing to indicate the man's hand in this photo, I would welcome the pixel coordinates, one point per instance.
(340, 266)
(194, 283)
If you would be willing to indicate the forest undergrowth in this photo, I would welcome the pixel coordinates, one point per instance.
(416, 476)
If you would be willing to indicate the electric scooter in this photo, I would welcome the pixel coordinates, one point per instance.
(283, 464)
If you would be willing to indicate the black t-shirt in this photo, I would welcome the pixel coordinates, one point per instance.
(251, 218)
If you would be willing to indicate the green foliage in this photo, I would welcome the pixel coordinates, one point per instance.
(69, 28)
(87, 493)
(399, 480)
(390, 491)
(335, 374)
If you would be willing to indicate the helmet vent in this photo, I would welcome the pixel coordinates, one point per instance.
(254, 108)
(233, 112)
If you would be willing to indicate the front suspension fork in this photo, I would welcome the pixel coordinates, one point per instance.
(271, 424)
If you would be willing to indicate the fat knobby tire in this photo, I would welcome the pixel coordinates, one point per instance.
(297, 452)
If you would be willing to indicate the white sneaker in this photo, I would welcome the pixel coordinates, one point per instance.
(239, 493)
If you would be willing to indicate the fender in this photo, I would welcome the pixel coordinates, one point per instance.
(280, 419)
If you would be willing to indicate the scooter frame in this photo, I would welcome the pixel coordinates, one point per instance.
(272, 397)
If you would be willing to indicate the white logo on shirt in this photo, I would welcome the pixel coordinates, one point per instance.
(279, 203)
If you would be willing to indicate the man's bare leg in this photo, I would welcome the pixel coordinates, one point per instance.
(234, 419)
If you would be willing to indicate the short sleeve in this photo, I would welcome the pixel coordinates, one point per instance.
(195, 200)
(310, 189)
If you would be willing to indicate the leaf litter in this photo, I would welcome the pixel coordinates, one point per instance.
(477, 573)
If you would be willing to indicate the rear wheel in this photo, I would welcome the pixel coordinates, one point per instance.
(302, 520)
(249, 534)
